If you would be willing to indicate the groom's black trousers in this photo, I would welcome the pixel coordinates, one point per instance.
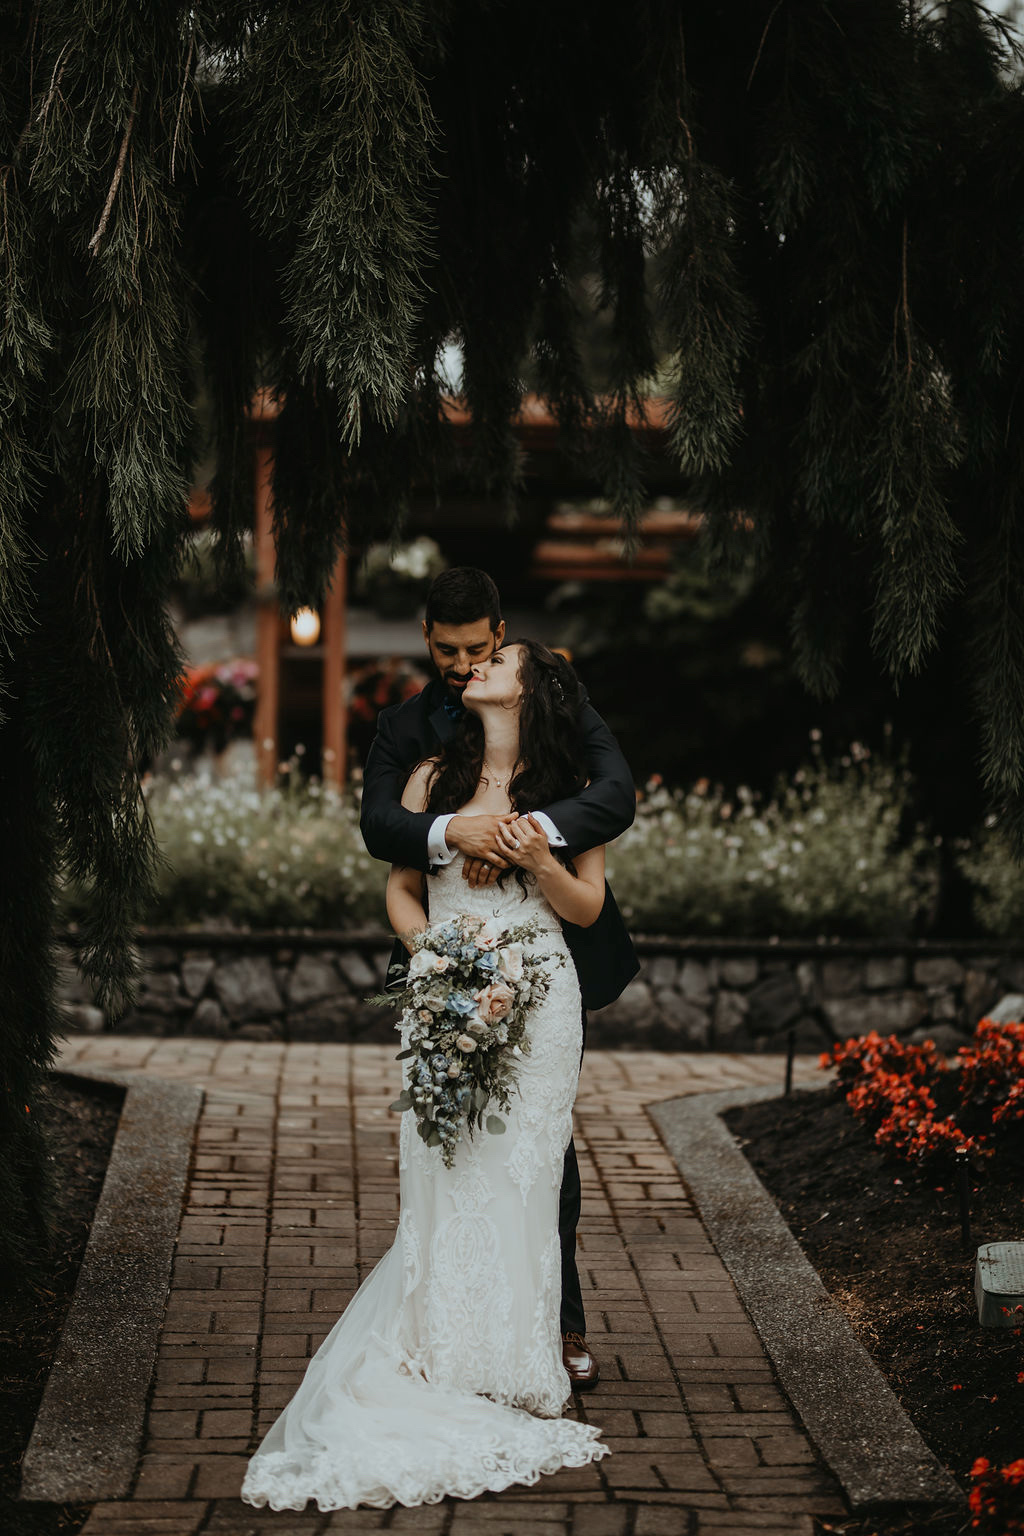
(569, 1200)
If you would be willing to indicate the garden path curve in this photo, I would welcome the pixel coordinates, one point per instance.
(293, 1197)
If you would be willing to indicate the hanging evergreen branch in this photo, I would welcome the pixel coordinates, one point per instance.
(916, 573)
(707, 317)
(122, 155)
(25, 339)
(623, 231)
(350, 211)
(310, 198)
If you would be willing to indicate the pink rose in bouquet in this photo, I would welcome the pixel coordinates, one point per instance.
(494, 1002)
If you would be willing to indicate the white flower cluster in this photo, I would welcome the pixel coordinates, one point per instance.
(232, 852)
(418, 561)
(828, 853)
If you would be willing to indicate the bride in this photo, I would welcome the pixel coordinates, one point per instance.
(444, 1376)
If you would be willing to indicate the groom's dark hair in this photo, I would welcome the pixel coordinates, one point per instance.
(462, 596)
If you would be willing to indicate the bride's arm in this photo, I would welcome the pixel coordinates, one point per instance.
(577, 898)
(404, 897)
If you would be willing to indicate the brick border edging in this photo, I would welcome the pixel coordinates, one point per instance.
(846, 1405)
(88, 1431)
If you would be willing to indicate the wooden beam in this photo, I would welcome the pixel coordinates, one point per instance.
(268, 623)
(332, 618)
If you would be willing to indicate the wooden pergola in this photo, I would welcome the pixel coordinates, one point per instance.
(271, 629)
(575, 544)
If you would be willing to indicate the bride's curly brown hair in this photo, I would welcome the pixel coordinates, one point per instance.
(551, 764)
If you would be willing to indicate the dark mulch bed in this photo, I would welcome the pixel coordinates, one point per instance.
(886, 1241)
(80, 1123)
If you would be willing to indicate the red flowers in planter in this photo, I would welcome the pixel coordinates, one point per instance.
(992, 1071)
(997, 1498)
(891, 1086)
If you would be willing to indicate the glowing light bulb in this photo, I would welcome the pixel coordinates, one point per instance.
(305, 626)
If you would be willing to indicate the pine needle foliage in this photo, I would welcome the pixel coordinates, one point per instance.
(800, 223)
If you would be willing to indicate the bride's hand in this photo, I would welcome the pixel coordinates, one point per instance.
(525, 843)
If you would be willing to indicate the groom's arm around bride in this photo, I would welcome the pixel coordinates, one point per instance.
(463, 627)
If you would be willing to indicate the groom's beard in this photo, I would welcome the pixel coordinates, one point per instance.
(454, 683)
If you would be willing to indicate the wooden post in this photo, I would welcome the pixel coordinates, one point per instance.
(265, 723)
(335, 749)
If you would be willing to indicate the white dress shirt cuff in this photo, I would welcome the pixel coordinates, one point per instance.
(555, 838)
(438, 851)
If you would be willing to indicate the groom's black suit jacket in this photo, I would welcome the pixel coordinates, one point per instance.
(407, 733)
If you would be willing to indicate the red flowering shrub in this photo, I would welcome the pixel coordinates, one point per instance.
(374, 687)
(997, 1498)
(216, 702)
(992, 1072)
(873, 1053)
(381, 683)
(889, 1085)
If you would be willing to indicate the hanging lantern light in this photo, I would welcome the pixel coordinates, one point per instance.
(305, 626)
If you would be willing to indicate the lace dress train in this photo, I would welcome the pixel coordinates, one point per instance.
(444, 1375)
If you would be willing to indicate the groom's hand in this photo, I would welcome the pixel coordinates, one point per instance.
(477, 837)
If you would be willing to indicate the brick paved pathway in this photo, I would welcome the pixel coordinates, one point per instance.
(294, 1197)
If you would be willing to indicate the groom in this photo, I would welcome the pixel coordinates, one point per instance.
(463, 627)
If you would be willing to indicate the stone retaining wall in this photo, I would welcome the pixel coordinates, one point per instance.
(691, 994)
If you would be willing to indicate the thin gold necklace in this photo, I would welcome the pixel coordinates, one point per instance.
(501, 783)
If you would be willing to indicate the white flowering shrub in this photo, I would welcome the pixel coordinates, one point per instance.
(997, 880)
(827, 854)
(394, 579)
(288, 857)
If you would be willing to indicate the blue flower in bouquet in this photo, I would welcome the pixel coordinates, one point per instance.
(461, 1003)
(469, 988)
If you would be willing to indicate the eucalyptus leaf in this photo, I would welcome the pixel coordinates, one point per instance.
(495, 1126)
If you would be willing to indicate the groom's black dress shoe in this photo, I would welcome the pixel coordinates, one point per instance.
(579, 1362)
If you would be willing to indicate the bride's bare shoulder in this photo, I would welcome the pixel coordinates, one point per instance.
(417, 786)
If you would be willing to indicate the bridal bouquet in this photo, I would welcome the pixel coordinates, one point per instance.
(469, 991)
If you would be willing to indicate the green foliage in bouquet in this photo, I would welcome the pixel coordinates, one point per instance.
(826, 854)
(469, 991)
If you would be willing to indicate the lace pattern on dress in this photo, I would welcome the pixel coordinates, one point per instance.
(445, 1376)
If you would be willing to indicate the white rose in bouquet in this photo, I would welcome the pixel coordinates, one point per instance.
(510, 962)
(422, 964)
(487, 935)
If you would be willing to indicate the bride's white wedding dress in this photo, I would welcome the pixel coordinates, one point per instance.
(466, 1302)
